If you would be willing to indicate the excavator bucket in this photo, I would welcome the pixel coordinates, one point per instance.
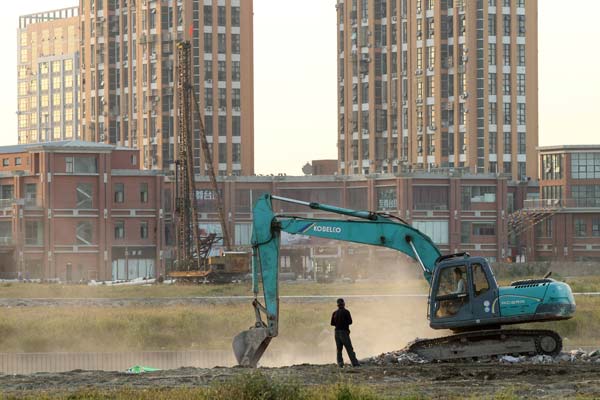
(249, 346)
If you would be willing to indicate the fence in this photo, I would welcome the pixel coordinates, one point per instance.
(29, 363)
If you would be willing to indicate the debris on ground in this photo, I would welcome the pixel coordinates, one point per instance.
(138, 369)
(403, 357)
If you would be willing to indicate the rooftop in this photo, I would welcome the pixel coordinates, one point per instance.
(62, 145)
(570, 147)
(46, 16)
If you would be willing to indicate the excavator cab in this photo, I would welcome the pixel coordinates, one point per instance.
(463, 289)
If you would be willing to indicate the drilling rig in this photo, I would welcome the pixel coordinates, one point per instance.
(194, 261)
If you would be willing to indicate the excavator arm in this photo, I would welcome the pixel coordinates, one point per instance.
(365, 227)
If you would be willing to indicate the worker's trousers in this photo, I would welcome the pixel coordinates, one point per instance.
(342, 339)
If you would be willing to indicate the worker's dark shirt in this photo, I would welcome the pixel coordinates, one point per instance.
(341, 319)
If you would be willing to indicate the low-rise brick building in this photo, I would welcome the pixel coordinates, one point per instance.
(74, 210)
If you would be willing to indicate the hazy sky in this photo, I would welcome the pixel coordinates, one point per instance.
(295, 77)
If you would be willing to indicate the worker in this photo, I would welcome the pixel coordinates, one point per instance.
(460, 281)
(342, 320)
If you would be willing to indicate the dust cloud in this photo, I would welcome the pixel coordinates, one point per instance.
(379, 325)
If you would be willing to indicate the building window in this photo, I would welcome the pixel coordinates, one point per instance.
(235, 16)
(586, 195)
(33, 233)
(596, 226)
(143, 230)
(483, 228)
(222, 71)
(18, 161)
(506, 54)
(506, 84)
(143, 192)
(506, 24)
(520, 84)
(119, 192)
(551, 166)
(119, 230)
(493, 137)
(430, 198)
(84, 233)
(81, 165)
(580, 227)
(522, 171)
(30, 194)
(221, 16)
(477, 194)
(84, 196)
(493, 114)
(507, 114)
(585, 165)
(492, 53)
(521, 51)
(507, 143)
(235, 43)
(465, 232)
(236, 153)
(522, 25)
(5, 162)
(221, 42)
(208, 15)
(544, 228)
(208, 43)
(492, 83)
(492, 25)
(552, 192)
(521, 116)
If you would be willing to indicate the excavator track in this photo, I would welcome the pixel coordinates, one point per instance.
(488, 343)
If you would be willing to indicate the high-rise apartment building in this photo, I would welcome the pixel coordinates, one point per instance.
(48, 76)
(129, 71)
(438, 83)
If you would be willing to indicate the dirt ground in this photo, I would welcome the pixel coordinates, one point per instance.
(441, 380)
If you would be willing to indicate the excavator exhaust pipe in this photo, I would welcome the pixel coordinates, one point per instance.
(250, 345)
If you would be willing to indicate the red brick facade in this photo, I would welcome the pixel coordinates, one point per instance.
(79, 211)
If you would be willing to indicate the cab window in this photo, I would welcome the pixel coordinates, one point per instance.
(480, 281)
(453, 281)
(452, 290)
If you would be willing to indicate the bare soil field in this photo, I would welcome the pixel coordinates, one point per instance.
(441, 380)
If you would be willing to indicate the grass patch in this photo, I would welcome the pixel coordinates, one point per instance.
(393, 321)
(50, 291)
(253, 386)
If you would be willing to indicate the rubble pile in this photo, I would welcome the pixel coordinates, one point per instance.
(403, 357)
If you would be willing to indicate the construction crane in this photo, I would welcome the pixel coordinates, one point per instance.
(193, 249)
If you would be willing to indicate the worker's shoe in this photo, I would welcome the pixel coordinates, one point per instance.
(356, 365)
(341, 365)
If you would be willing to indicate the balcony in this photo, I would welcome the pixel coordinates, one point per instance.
(562, 204)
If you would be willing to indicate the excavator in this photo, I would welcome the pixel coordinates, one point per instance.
(463, 297)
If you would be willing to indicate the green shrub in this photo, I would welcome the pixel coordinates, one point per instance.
(256, 386)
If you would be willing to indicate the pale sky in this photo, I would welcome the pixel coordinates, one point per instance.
(295, 77)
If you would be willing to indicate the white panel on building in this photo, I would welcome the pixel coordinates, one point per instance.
(436, 230)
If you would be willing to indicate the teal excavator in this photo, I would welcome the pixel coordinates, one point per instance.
(464, 296)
